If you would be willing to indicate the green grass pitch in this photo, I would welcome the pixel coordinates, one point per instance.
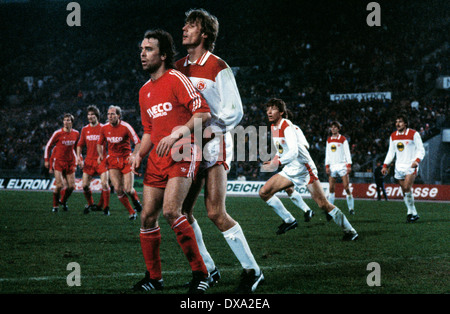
(37, 245)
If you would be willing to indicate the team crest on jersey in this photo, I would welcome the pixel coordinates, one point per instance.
(400, 146)
(333, 148)
(279, 147)
(201, 85)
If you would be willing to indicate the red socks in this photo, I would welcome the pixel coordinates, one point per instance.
(124, 200)
(104, 198)
(150, 243)
(186, 239)
(88, 196)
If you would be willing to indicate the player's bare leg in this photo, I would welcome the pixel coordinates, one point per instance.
(70, 181)
(86, 185)
(59, 185)
(215, 194)
(332, 184)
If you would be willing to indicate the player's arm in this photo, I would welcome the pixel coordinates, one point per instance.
(145, 147)
(79, 148)
(100, 142)
(231, 111)
(420, 150)
(327, 158)
(389, 157)
(197, 121)
(79, 157)
(51, 142)
(348, 156)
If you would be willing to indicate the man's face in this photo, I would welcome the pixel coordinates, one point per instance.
(400, 125)
(192, 34)
(273, 113)
(67, 123)
(92, 118)
(113, 118)
(151, 59)
(334, 129)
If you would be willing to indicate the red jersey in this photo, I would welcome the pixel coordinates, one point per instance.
(64, 143)
(89, 137)
(119, 138)
(168, 102)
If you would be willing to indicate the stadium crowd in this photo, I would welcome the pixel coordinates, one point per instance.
(63, 69)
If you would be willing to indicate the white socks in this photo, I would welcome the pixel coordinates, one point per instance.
(280, 210)
(209, 263)
(350, 202)
(297, 199)
(340, 219)
(409, 201)
(238, 244)
(331, 198)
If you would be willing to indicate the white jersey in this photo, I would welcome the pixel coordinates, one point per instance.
(290, 143)
(406, 147)
(337, 151)
(215, 80)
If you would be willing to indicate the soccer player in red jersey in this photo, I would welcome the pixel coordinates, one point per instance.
(170, 105)
(63, 160)
(89, 137)
(118, 135)
(215, 81)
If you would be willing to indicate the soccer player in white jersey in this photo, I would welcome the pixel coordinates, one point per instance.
(295, 196)
(215, 80)
(338, 163)
(406, 146)
(298, 169)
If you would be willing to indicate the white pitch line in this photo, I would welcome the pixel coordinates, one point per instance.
(177, 272)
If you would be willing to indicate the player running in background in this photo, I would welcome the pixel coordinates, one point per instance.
(170, 109)
(215, 80)
(338, 163)
(406, 146)
(118, 135)
(299, 169)
(63, 160)
(90, 134)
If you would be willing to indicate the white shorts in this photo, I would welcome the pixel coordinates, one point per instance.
(338, 170)
(219, 152)
(402, 170)
(300, 174)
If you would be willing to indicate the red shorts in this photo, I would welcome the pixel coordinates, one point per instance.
(119, 163)
(161, 169)
(64, 166)
(92, 167)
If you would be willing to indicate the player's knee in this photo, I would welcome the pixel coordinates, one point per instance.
(265, 194)
(215, 215)
(148, 220)
(289, 191)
